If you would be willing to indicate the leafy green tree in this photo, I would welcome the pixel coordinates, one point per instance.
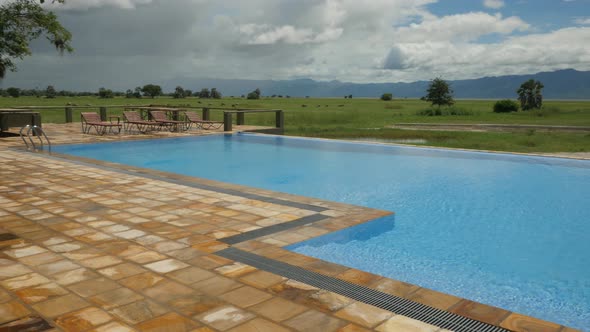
(387, 96)
(439, 93)
(137, 92)
(530, 95)
(105, 93)
(178, 93)
(215, 94)
(50, 92)
(505, 106)
(129, 93)
(13, 92)
(151, 90)
(254, 94)
(188, 93)
(204, 93)
(22, 21)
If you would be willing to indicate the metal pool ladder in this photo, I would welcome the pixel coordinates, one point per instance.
(39, 133)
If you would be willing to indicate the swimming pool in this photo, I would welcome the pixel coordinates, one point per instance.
(505, 230)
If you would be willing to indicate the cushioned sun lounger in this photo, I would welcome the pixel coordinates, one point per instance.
(194, 118)
(91, 120)
(162, 119)
(133, 119)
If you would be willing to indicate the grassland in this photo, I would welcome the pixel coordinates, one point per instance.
(370, 118)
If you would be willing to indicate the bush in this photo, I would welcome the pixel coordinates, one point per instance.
(386, 96)
(505, 106)
(444, 112)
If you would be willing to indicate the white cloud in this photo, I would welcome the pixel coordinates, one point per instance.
(347, 40)
(582, 21)
(461, 27)
(494, 4)
(89, 4)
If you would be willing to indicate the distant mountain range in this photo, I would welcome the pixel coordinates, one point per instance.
(561, 84)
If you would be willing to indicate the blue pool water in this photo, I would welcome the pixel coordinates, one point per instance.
(505, 230)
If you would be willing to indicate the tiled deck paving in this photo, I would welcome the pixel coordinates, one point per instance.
(110, 248)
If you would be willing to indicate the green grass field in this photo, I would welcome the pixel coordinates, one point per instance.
(369, 118)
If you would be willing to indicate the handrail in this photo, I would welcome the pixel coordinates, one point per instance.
(37, 131)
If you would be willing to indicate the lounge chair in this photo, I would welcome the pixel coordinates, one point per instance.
(133, 118)
(194, 118)
(161, 118)
(91, 120)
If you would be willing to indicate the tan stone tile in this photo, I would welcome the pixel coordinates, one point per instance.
(185, 254)
(24, 252)
(353, 328)
(171, 322)
(82, 319)
(216, 285)
(65, 247)
(517, 322)
(278, 309)
(359, 277)
(224, 318)
(60, 305)
(394, 287)
(113, 327)
(142, 281)
(401, 323)
(167, 265)
(329, 301)
(93, 286)
(166, 246)
(13, 270)
(12, 310)
(311, 321)
(114, 298)
(83, 254)
(74, 276)
(481, 312)
(262, 279)
(363, 314)
(100, 262)
(4, 296)
(121, 271)
(434, 298)
(40, 293)
(190, 275)
(259, 324)
(57, 267)
(24, 281)
(167, 290)
(137, 312)
(28, 323)
(44, 258)
(209, 262)
(235, 270)
(245, 296)
(195, 304)
(146, 257)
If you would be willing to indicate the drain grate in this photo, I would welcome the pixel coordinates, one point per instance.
(272, 229)
(395, 304)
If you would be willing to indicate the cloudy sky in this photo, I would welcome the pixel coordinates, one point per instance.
(125, 43)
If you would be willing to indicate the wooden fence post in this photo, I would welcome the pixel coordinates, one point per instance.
(68, 114)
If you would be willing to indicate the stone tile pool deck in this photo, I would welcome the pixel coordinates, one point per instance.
(94, 246)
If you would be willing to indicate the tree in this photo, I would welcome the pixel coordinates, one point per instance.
(105, 93)
(349, 96)
(178, 93)
(215, 94)
(530, 95)
(137, 93)
(254, 94)
(22, 21)
(50, 92)
(188, 93)
(129, 93)
(151, 90)
(439, 93)
(386, 96)
(204, 93)
(13, 92)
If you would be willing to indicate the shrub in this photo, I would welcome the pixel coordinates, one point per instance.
(444, 112)
(386, 96)
(505, 106)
